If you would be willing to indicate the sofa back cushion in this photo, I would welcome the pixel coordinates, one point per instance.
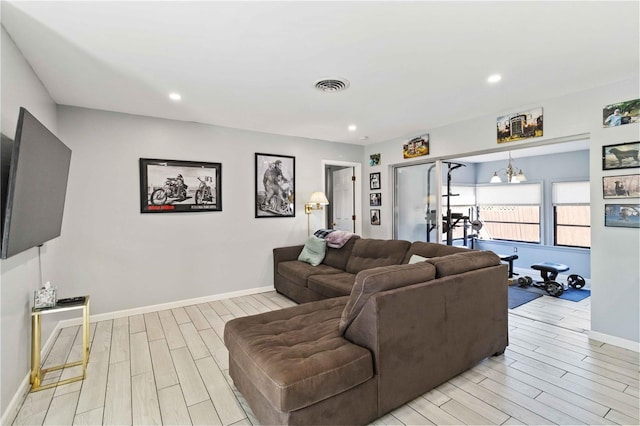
(338, 257)
(370, 253)
(372, 281)
(463, 262)
(430, 250)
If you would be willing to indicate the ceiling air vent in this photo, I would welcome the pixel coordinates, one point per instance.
(332, 85)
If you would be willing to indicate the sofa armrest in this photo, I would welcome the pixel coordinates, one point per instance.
(282, 254)
(424, 334)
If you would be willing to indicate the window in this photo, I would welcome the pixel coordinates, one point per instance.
(510, 212)
(571, 214)
(512, 223)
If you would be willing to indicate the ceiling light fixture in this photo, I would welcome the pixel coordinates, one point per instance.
(512, 176)
(332, 85)
(494, 78)
(175, 96)
(352, 127)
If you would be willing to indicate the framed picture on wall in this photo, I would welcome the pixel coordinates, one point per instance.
(622, 215)
(374, 180)
(623, 186)
(520, 125)
(374, 160)
(416, 147)
(375, 199)
(620, 156)
(621, 113)
(375, 216)
(275, 185)
(172, 186)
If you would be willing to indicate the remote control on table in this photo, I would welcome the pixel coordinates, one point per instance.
(69, 300)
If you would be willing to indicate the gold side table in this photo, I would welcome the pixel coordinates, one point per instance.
(37, 372)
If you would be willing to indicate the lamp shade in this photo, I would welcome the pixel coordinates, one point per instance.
(318, 198)
(495, 178)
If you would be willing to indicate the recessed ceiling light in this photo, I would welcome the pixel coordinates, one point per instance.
(352, 127)
(494, 78)
(175, 96)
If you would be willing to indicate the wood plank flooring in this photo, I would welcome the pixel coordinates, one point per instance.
(170, 367)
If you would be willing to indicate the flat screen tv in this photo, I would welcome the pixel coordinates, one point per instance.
(36, 186)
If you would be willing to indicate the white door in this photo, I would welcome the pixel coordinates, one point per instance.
(343, 214)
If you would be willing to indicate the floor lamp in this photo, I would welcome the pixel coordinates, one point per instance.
(316, 202)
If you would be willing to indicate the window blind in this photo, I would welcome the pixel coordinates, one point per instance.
(571, 193)
(509, 195)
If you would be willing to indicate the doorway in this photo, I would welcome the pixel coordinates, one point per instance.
(342, 187)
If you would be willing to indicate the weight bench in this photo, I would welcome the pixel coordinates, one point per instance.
(549, 270)
(509, 258)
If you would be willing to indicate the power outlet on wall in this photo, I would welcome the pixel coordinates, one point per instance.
(515, 249)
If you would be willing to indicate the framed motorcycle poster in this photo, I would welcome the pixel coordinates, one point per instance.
(173, 186)
(275, 185)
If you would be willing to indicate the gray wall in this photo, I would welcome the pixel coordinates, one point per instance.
(125, 259)
(615, 270)
(20, 274)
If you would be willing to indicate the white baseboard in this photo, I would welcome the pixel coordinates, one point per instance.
(16, 402)
(615, 341)
(163, 306)
(23, 390)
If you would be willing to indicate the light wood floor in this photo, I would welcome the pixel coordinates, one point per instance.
(170, 367)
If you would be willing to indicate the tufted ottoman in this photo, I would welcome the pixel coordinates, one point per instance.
(295, 367)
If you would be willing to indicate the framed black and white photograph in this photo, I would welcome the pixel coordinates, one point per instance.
(375, 216)
(374, 180)
(173, 186)
(620, 156)
(621, 113)
(375, 199)
(275, 185)
(623, 186)
(622, 215)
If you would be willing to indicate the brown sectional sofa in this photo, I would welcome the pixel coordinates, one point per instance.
(381, 334)
(335, 276)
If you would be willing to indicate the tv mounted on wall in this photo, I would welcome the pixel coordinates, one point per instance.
(36, 186)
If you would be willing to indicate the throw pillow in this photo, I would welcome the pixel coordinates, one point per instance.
(416, 258)
(314, 250)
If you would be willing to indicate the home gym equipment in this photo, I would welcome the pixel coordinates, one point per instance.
(509, 258)
(549, 271)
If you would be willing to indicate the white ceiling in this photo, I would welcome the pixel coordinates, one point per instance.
(413, 66)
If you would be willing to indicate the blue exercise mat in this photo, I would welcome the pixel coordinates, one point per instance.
(519, 296)
(571, 294)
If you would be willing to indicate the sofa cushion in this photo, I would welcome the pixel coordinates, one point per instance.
(375, 280)
(371, 253)
(338, 257)
(313, 251)
(297, 357)
(333, 285)
(464, 262)
(429, 250)
(298, 272)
